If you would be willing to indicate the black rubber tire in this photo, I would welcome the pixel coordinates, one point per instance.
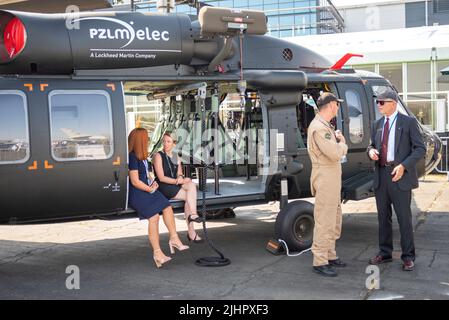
(294, 225)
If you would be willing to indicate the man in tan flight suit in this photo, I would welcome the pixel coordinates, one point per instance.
(326, 148)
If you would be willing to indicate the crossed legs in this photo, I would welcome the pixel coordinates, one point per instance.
(188, 194)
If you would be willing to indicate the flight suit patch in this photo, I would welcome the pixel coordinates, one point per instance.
(327, 136)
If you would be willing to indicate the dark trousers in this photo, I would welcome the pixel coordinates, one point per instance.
(389, 194)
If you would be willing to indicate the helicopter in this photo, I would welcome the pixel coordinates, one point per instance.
(71, 72)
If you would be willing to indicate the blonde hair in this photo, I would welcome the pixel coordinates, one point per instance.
(171, 135)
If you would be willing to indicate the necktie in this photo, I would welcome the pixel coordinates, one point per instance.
(384, 150)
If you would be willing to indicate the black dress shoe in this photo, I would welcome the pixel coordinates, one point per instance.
(337, 263)
(325, 271)
(379, 259)
(408, 265)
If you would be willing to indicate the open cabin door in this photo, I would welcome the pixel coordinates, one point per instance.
(357, 171)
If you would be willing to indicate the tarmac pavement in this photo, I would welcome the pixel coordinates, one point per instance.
(115, 261)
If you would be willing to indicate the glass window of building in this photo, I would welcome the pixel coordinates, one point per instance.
(273, 22)
(440, 6)
(442, 86)
(392, 72)
(80, 125)
(303, 25)
(285, 18)
(422, 109)
(143, 113)
(241, 3)
(355, 113)
(286, 33)
(418, 77)
(418, 96)
(129, 100)
(421, 106)
(183, 8)
(14, 138)
(440, 114)
(286, 5)
(287, 21)
(255, 4)
(271, 8)
(227, 3)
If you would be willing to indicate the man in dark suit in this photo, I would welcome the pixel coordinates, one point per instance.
(396, 146)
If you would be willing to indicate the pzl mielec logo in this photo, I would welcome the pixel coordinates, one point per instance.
(125, 33)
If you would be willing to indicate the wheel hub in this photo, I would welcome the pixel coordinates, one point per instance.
(303, 228)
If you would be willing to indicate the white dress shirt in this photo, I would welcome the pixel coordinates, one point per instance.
(391, 140)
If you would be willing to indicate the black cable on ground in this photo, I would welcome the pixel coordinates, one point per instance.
(220, 261)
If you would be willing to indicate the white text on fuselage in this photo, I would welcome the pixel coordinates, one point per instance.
(108, 55)
(124, 34)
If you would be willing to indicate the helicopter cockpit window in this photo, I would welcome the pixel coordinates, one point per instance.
(14, 138)
(377, 90)
(355, 114)
(80, 125)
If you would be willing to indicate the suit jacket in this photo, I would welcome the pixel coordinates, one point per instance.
(409, 149)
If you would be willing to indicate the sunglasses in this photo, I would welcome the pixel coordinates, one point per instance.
(382, 102)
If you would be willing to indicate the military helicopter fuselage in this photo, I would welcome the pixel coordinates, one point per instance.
(63, 74)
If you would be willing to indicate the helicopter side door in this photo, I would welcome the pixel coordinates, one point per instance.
(69, 158)
(356, 126)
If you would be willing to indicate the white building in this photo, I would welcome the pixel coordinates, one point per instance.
(410, 57)
(368, 15)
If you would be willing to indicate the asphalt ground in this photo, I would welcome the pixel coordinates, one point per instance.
(115, 262)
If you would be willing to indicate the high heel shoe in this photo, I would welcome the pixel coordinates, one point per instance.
(198, 219)
(180, 247)
(195, 240)
(160, 262)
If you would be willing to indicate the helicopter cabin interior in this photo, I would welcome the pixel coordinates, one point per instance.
(234, 144)
(238, 148)
(237, 136)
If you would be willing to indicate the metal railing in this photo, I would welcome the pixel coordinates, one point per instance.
(443, 166)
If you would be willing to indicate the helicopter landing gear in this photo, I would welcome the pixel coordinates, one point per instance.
(294, 225)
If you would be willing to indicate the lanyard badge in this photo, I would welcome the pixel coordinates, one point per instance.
(149, 174)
